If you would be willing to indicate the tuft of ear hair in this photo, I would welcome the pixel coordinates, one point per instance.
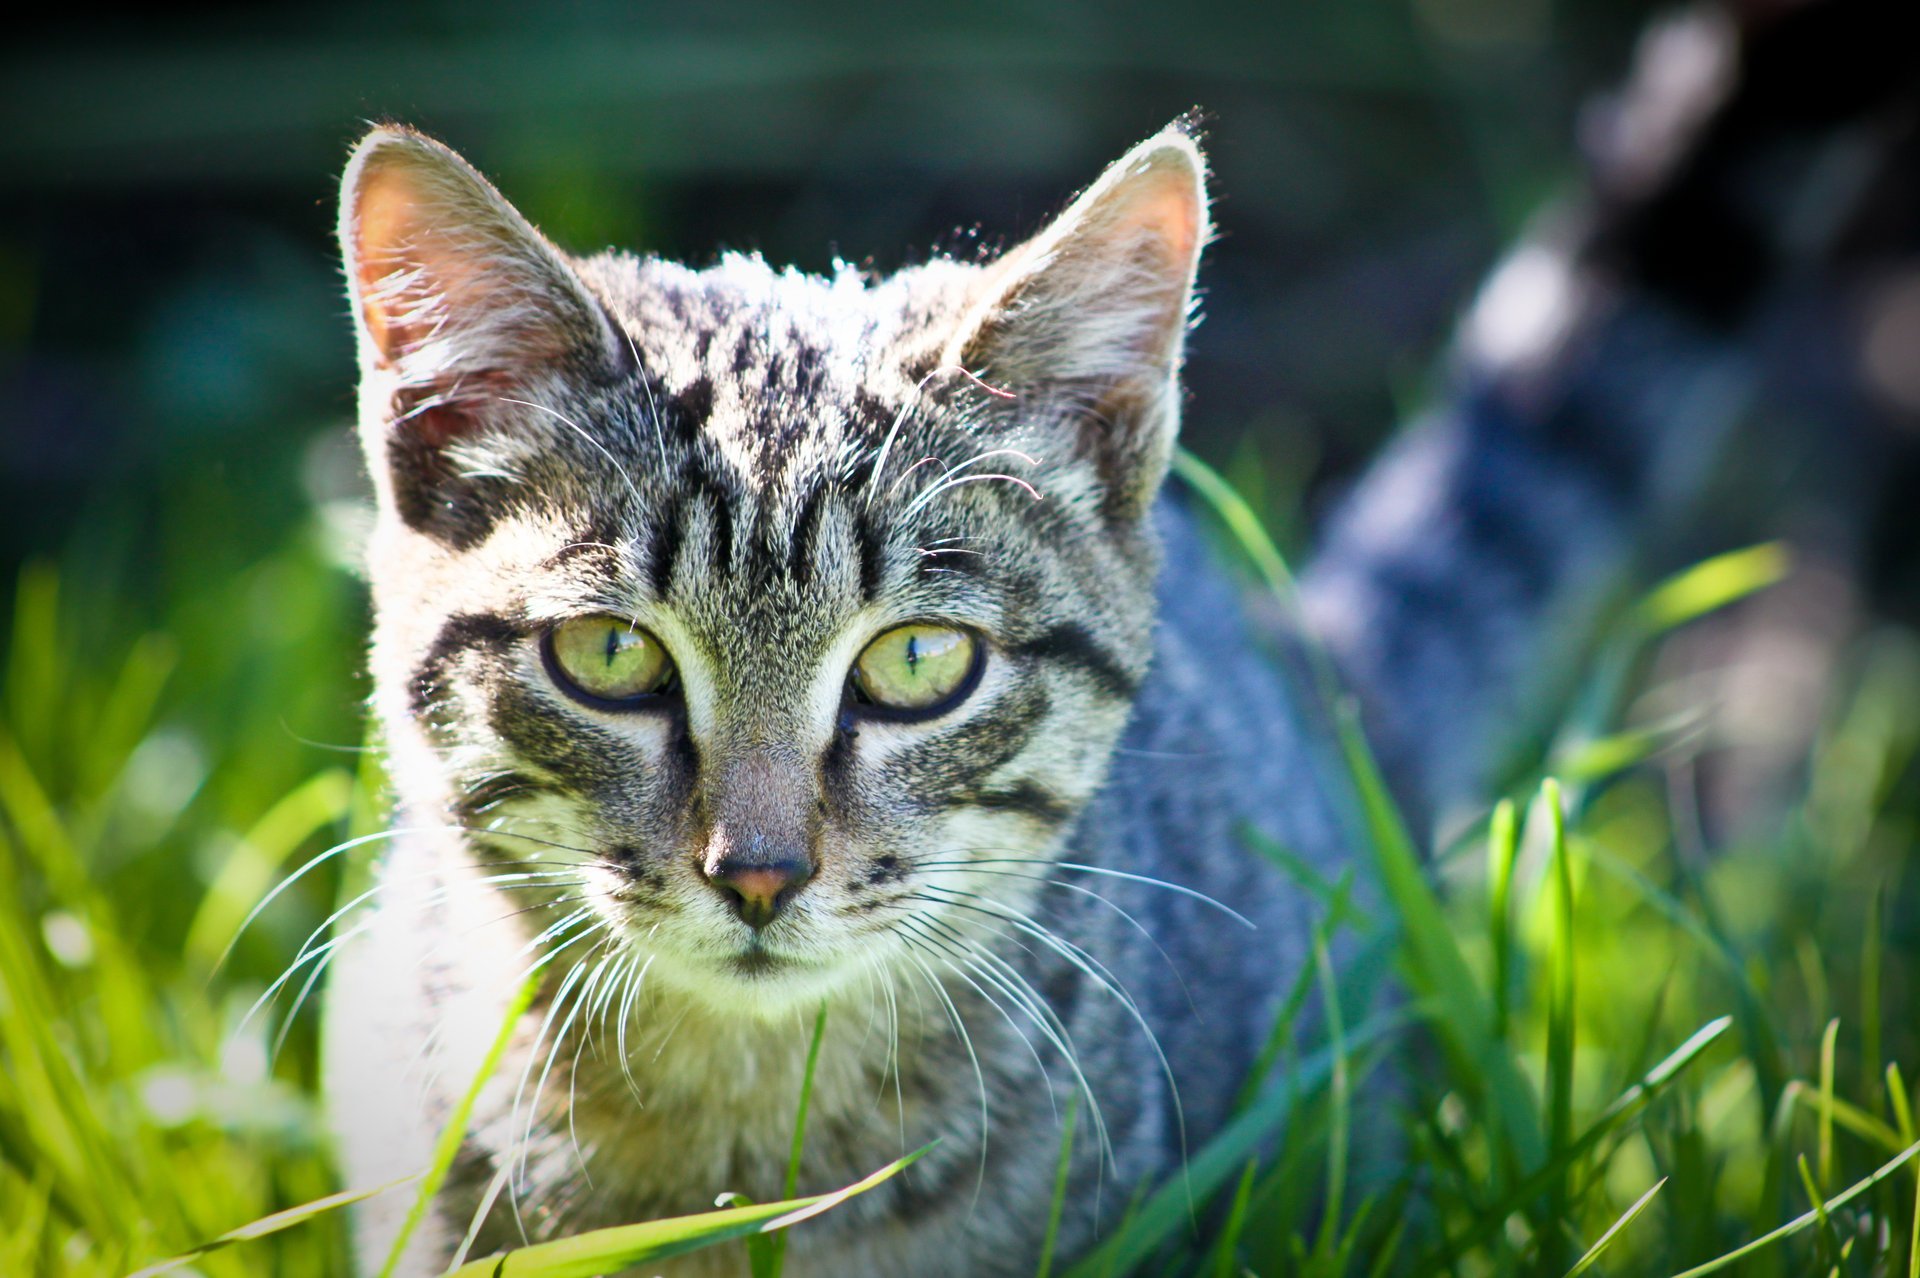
(457, 297)
(1091, 315)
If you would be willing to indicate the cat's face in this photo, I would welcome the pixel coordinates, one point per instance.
(780, 619)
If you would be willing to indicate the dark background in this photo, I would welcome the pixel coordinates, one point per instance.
(171, 320)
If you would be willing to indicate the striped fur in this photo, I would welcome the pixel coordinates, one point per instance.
(766, 469)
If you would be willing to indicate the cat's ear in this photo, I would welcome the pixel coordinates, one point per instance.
(1086, 322)
(460, 304)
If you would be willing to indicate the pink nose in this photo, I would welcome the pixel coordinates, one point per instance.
(758, 889)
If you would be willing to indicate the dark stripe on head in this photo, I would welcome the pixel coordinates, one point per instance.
(1026, 798)
(490, 792)
(873, 557)
(938, 560)
(957, 759)
(722, 525)
(433, 498)
(693, 406)
(871, 415)
(800, 546)
(557, 743)
(1072, 644)
(463, 632)
(663, 546)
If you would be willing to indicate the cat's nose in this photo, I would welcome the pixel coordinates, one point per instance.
(766, 824)
(759, 888)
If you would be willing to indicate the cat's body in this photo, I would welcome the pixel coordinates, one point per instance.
(1038, 885)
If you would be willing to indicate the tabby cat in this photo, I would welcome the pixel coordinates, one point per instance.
(750, 643)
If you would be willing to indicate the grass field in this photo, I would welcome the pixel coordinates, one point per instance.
(1634, 1054)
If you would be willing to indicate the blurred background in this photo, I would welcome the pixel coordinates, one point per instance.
(183, 500)
(169, 295)
(175, 363)
(176, 368)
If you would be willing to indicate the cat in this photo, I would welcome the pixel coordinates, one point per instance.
(649, 539)
(749, 643)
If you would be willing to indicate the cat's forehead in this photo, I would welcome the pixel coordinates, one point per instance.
(781, 370)
(735, 475)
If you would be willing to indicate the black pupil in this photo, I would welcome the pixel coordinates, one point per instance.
(613, 644)
(913, 653)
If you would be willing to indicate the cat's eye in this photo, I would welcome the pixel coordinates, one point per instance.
(916, 670)
(608, 659)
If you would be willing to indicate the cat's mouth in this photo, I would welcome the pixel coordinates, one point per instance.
(757, 961)
(768, 971)
(754, 976)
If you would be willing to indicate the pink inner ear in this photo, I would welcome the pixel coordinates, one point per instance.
(432, 265)
(1162, 210)
(386, 226)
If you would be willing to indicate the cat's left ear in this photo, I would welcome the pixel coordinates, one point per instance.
(1086, 322)
(461, 304)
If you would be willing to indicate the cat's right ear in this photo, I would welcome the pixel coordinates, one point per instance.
(461, 306)
(1086, 322)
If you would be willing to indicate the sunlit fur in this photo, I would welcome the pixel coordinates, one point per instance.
(767, 470)
(1046, 897)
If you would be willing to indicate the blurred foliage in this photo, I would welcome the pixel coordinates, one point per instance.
(183, 683)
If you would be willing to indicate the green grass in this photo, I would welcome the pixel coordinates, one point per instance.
(1631, 1059)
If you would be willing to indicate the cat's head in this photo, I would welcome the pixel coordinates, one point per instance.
(780, 617)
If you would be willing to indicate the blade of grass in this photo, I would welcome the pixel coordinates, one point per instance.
(1710, 585)
(1829, 1045)
(1229, 1240)
(266, 1225)
(1239, 519)
(603, 1251)
(1913, 1239)
(1560, 1031)
(1432, 964)
(1503, 846)
(767, 1254)
(806, 1099)
(1058, 1206)
(1390, 1248)
(1823, 1223)
(1627, 1105)
(1337, 1102)
(1798, 1223)
(454, 1133)
(247, 874)
(1855, 1119)
(1605, 1240)
(1902, 1107)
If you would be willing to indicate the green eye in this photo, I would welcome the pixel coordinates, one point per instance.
(608, 659)
(916, 668)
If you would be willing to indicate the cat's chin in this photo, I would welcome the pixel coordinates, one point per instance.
(753, 980)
